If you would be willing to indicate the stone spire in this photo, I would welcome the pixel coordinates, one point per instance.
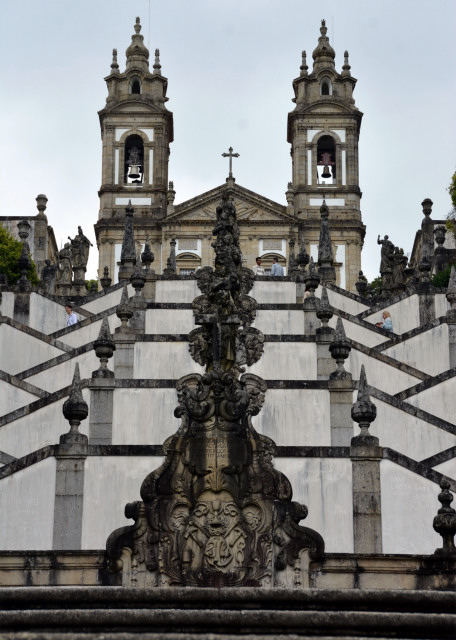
(114, 63)
(364, 412)
(137, 53)
(157, 65)
(326, 269)
(323, 54)
(346, 67)
(340, 348)
(304, 67)
(75, 410)
(104, 348)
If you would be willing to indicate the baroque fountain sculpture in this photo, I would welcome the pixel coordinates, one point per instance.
(217, 513)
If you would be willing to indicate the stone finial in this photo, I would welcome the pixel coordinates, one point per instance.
(340, 348)
(138, 277)
(41, 202)
(311, 278)
(324, 309)
(361, 285)
(346, 67)
(445, 522)
(171, 195)
(171, 266)
(137, 53)
(147, 256)
(304, 66)
(104, 348)
(23, 229)
(364, 412)
(451, 291)
(128, 253)
(157, 65)
(124, 311)
(137, 25)
(75, 410)
(303, 257)
(114, 64)
(439, 235)
(427, 206)
(292, 264)
(289, 194)
(105, 281)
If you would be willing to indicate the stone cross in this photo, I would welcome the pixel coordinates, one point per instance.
(230, 155)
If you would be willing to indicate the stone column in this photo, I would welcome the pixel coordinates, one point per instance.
(69, 486)
(324, 335)
(312, 279)
(366, 455)
(451, 317)
(102, 390)
(340, 385)
(138, 303)
(125, 340)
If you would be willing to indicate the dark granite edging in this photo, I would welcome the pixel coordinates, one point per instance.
(24, 386)
(430, 381)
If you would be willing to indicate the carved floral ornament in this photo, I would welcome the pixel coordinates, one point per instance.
(217, 513)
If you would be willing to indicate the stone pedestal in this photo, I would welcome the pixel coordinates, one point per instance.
(426, 300)
(21, 311)
(138, 321)
(101, 410)
(124, 356)
(150, 286)
(341, 402)
(366, 455)
(325, 363)
(69, 493)
(451, 320)
(311, 322)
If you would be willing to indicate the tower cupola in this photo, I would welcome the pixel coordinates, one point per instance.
(137, 53)
(323, 54)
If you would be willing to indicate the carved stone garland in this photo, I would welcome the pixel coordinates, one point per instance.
(217, 513)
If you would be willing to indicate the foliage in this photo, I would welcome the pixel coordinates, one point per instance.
(92, 285)
(451, 218)
(442, 278)
(375, 287)
(10, 252)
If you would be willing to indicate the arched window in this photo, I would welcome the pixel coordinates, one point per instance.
(134, 160)
(325, 87)
(135, 85)
(326, 160)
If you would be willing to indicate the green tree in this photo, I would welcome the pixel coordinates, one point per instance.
(10, 252)
(451, 218)
(375, 287)
(442, 278)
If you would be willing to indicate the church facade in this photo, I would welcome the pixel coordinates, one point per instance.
(323, 131)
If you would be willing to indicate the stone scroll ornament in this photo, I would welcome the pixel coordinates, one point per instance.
(217, 513)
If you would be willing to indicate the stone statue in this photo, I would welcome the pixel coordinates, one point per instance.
(48, 276)
(80, 246)
(386, 254)
(399, 263)
(64, 271)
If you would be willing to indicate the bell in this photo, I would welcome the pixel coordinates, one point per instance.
(326, 172)
(134, 172)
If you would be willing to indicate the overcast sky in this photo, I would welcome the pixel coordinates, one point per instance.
(230, 66)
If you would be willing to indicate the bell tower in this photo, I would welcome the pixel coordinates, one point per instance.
(136, 131)
(323, 130)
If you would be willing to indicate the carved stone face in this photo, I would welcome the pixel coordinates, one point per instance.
(215, 513)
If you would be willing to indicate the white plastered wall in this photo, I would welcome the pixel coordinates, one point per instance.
(27, 507)
(61, 375)
(169, 321)
(426, 351)
(114, 482)
(299, 417)
(344, 303)
(408, 434)
(409, 505)
(38, 429)
(325, 486)
(278, 322)
(134, 420)
(107, 301)
(438, 400)
(46, 315)
(267, 292)
(176, 290)
(287, 361)
(20, 351)
(164, 360)
(379, 374)
(405, 314)
(11, 397)
(358, 333)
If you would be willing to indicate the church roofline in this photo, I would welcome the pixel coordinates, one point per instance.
(213, 195)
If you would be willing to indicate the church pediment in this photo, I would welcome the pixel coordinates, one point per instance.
(250, 208)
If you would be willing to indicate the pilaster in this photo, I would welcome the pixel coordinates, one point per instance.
(341, 402)
(101, 410)
(367, 511)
